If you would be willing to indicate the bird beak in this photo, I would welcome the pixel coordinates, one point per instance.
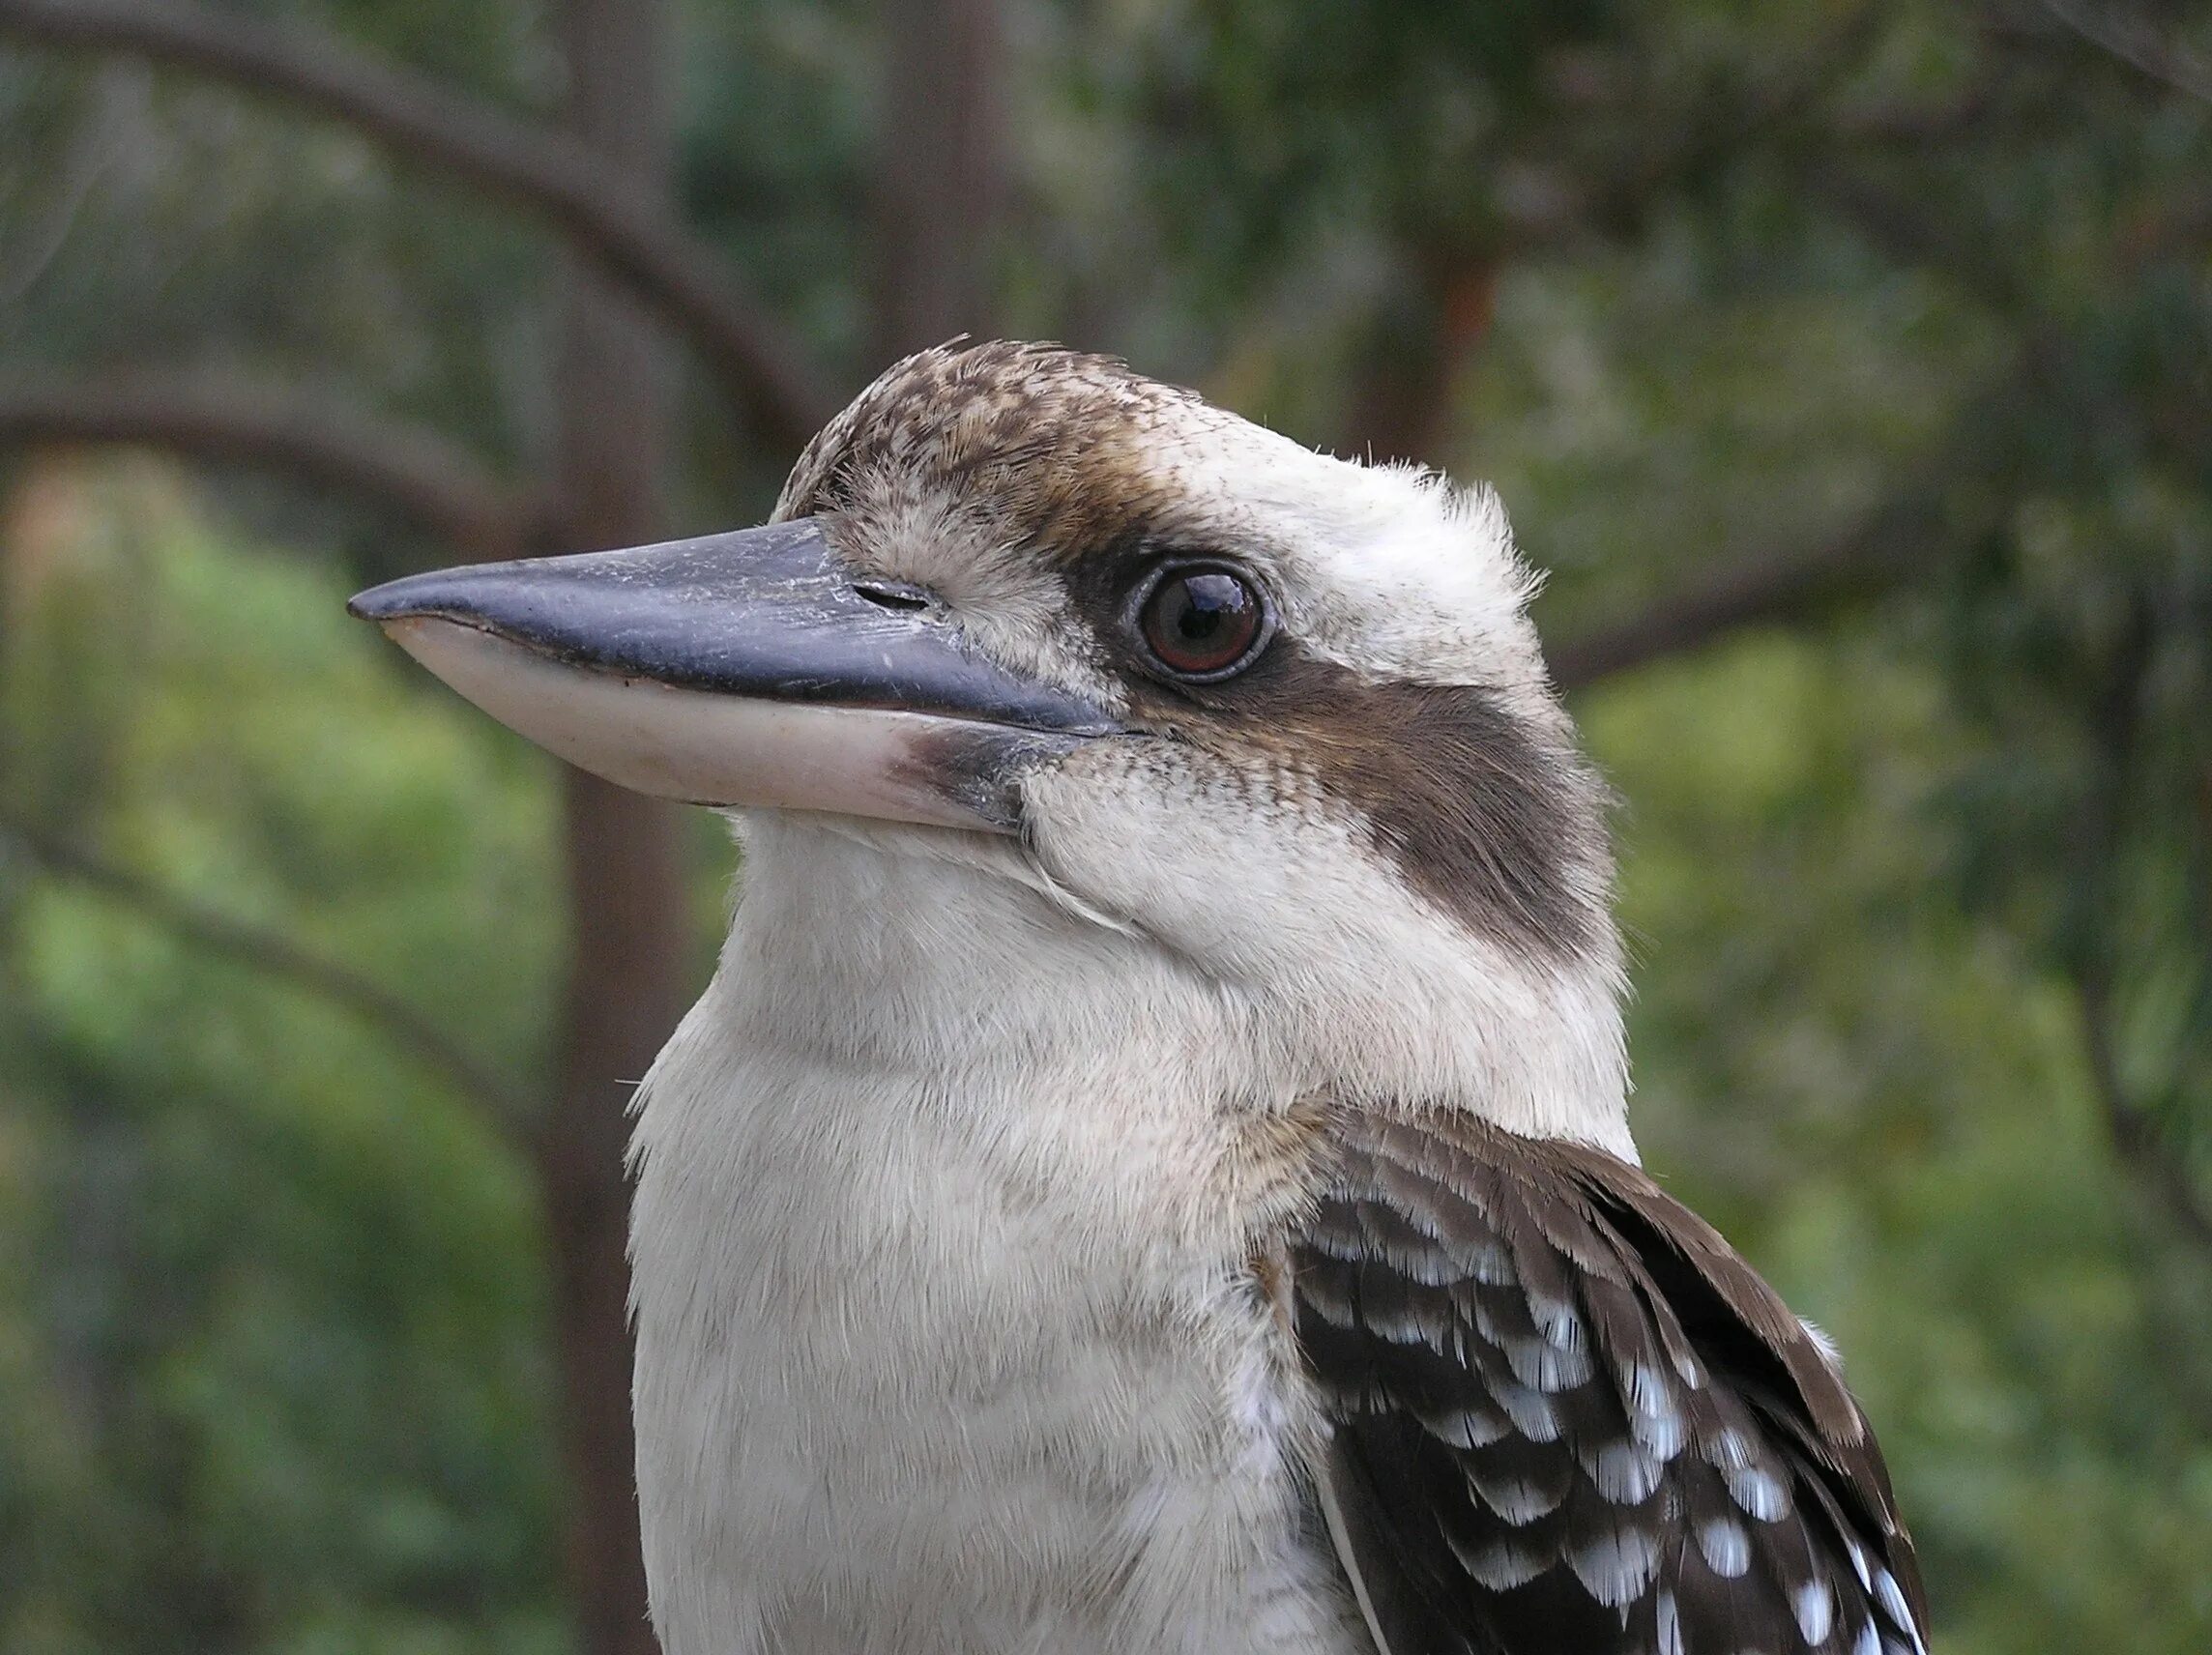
(743, 669)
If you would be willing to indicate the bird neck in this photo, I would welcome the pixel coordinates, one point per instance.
(932, 958)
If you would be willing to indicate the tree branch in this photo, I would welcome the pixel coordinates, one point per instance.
(1441, 316)
(1620, 198)
(1785, 586)
(603, 216)
(2169, 409)
(2131, 39)
(1912, 232)
(317, 439)
(276, 956)
(2136, 1139)
(2137, 1142)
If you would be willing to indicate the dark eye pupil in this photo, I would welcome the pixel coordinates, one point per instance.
(1209, 602)
(1202, 622)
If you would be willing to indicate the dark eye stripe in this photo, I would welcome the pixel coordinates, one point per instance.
(1493, 819)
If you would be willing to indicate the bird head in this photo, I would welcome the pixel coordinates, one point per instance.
(1278, 717)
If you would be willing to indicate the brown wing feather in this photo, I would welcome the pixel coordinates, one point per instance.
(1568, 1417)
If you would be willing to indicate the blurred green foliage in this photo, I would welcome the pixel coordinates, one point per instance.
(271, 1351)
(1919, 874)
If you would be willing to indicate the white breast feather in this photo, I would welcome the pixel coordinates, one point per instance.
(941, 1341)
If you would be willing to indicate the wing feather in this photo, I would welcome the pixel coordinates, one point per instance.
(1566, 1415)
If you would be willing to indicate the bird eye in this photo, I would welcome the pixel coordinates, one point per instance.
(1202, 622)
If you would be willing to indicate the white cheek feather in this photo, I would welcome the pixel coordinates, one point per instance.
(1361, 986)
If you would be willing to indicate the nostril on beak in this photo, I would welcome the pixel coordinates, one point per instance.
(893, 593)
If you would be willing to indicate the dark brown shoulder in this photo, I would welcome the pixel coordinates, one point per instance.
(1568, 1417)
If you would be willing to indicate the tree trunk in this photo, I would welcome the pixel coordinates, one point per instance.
(624, 992)
(1401, 402)
(942, 200)
(626, 971)
(940, 170)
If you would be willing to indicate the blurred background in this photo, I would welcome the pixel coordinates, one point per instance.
(1847, 364)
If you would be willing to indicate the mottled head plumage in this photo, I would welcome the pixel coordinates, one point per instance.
(1026, 434)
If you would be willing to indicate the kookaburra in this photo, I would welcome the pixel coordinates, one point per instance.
(1151, 1173)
